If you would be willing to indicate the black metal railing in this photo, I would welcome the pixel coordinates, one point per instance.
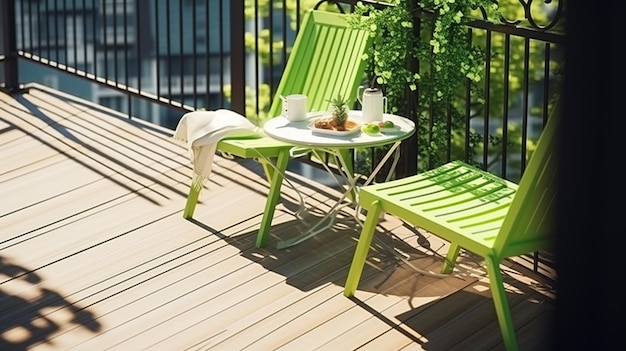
(157, 59)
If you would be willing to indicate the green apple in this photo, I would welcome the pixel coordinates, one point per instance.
(370, 128)
(388, 124)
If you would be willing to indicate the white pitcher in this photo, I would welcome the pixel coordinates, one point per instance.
(373, 104)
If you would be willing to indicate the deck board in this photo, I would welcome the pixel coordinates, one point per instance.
(95, 254)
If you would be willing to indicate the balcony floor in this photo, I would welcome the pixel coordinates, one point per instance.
(95, 254)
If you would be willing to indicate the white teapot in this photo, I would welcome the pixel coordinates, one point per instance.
(373, 104)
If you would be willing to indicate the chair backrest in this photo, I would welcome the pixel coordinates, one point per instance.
(528, 225)
(326, 60)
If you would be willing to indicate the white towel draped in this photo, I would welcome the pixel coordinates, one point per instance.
(201, 130)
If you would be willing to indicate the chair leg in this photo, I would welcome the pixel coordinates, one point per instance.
(346, 155)
(192, 197)
(275, 177)
(501, 304)
(362, 248)
(453, 253)
(268, 169)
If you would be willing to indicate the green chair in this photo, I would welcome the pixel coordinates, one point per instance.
(326, 60)
(474, 210)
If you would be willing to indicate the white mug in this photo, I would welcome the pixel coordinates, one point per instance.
(294, 107)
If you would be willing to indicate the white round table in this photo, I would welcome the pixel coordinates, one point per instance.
(299, 133)
(307, 139)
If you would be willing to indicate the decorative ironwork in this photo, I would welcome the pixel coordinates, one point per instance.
(541, 15)
(552, 10)
(331, 2)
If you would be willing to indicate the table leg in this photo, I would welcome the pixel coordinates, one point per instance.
(350, 192)
(329, 219)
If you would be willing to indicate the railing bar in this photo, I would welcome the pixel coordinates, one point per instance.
(115, 43)
(138, 34)
(70, 37)
(168, 35)
(30, 27)
(468, 105)
(46, 33)
(58, 22)
(256, 31)
(75, 32)
(94, 12)
(84, 21)
(525, 99)
(518, 31)
(181, 51)
(194, 68)
(546, 81)
(62, 44)
(488, 37)
(298, 19)
(157, 53)
(237, 62)
(505, 104)
(283, 50)
(105, 39)
(269, 79)
(234, 51)
(17, 12)
(8, 36)
(33, 28)
(126, 65)
(207, 64)
(285, 55)
(449, 133)
(47, 29)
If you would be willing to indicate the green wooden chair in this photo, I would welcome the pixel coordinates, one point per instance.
(326, 60)
(474, 210)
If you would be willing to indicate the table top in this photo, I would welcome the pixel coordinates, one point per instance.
(300, 134)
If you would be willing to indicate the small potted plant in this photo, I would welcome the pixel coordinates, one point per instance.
(338, 119)
(339, 110)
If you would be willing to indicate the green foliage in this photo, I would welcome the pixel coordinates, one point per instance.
(434, 64)
(447, 60)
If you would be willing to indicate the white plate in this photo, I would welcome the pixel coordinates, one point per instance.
(395, 128)
(333, 132)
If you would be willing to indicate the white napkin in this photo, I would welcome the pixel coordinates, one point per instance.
(201, 130)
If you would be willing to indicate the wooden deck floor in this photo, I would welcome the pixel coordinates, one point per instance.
(95, 254)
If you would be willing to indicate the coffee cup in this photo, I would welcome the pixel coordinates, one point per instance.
(294, 107)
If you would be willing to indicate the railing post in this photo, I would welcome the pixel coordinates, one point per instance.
(237, 57)
(410, 147)
(9, 45)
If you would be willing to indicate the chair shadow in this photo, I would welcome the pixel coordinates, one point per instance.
(326, 257)
(466, 319)
(458, 308)
(28, 320)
